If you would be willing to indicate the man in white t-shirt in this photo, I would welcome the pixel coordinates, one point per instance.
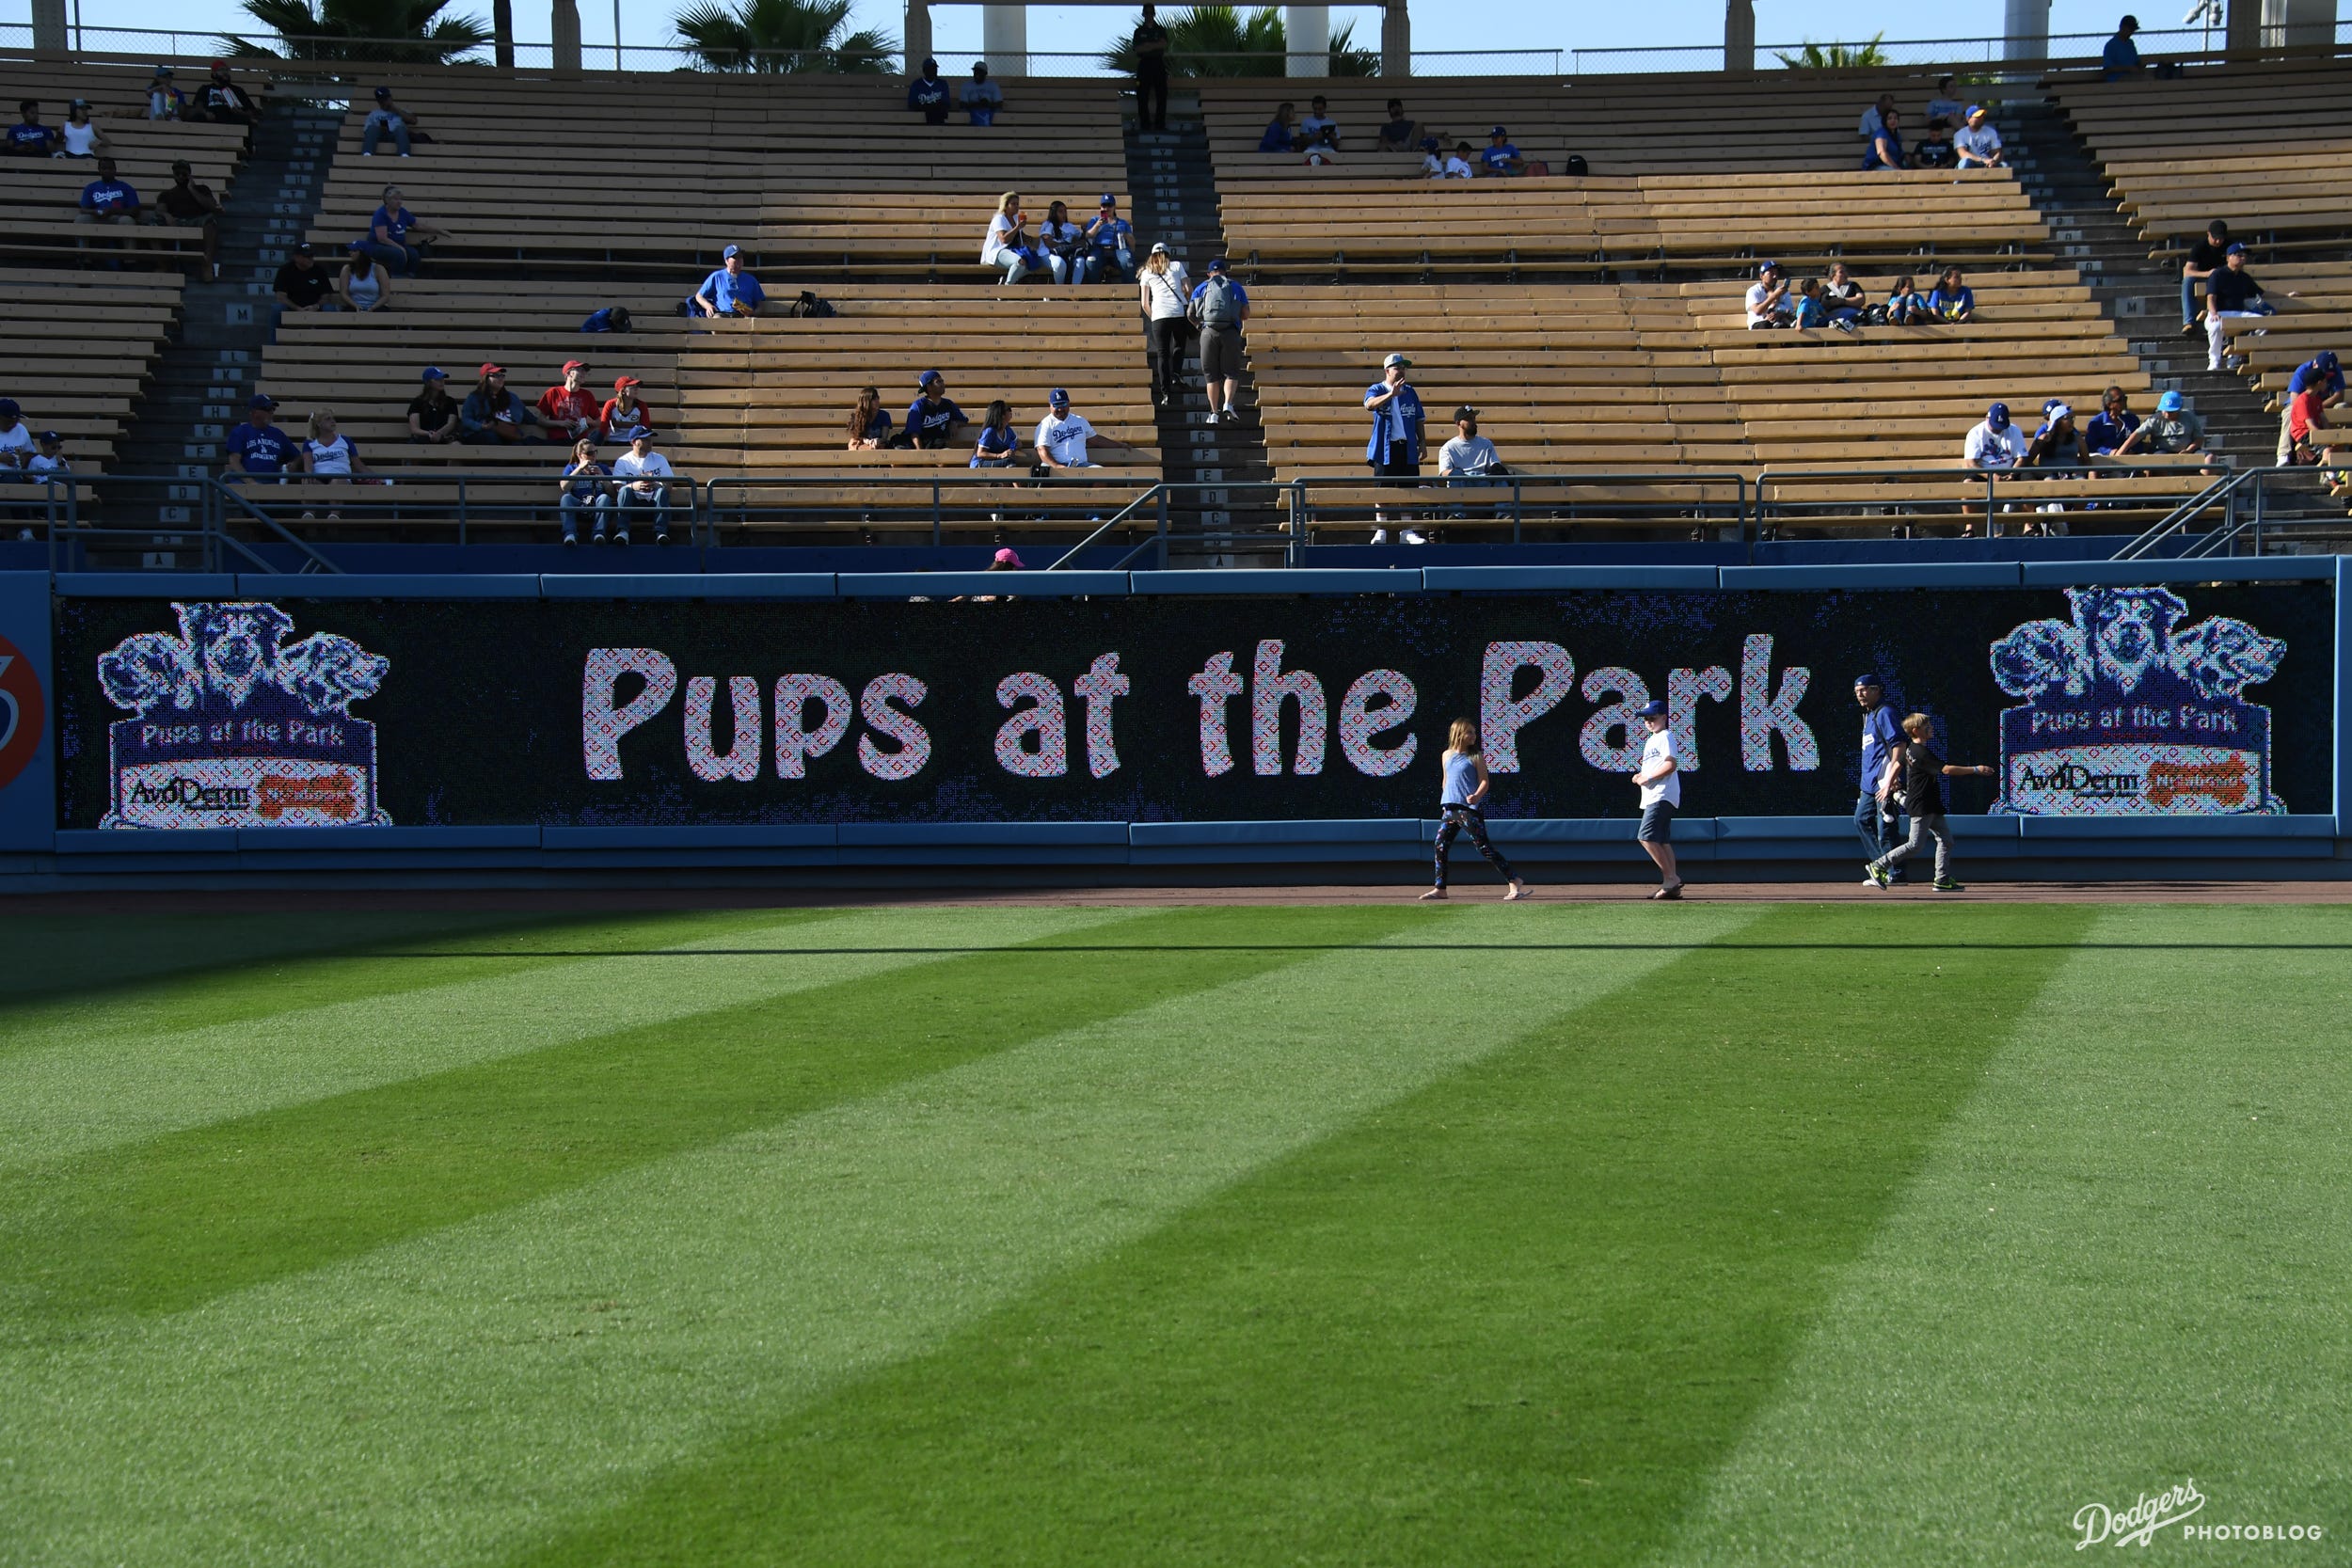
(1978, 143)
(1995, 442)
(1458, 163)
(1768, 298)
(642, 474)
(1661, 779)
(1062, 436)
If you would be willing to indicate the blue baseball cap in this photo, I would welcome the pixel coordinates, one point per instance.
(382, 92)
(433, 372)
(2170, 403)
(1108, 200)
(1218, 265)
(928, 377)
(1763, 267)
(1869, 678)
(731, 251)
(1059, 398)
(2234, 249)
(263, 400)
(1429, 144)
(1997, 415)
(1974, 110)
(1498, 131)
(9, 408)
(1654, 709)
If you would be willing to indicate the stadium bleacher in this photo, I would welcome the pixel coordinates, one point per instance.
(77, 346)
(39, 196)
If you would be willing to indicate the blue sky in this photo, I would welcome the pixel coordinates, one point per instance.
(1436, 24)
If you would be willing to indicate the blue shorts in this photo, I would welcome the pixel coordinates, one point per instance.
(1657, 822)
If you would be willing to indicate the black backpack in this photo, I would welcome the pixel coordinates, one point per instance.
(809, 305)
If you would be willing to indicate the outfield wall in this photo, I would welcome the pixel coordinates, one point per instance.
(509, 726)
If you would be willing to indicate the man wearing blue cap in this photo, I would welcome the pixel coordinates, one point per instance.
(2320, 372)
(2230, 291)
(1978, 143)
(1994, 443)
(1062, 436)
(933, 420)
(1873, 811)
(1114, 242)
(1768, 298)
(731, 291)
(1502, 155)
(1660, 780)
(1218, 307)
(257, 448)
(2171, 429)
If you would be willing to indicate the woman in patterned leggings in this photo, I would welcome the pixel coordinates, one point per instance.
(1465, 784)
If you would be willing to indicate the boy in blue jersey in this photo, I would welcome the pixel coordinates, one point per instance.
(1502, 155)
(1114, 242)
(257, 449)
(933, 420)
(927, 95)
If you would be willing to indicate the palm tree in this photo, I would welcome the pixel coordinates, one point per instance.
(1220, 40)
(406, 32)
(1837, 56)
(781, 36)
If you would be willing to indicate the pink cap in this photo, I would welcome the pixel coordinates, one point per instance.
(1005, 558)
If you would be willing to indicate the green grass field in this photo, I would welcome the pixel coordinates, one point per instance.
(1614, 1235)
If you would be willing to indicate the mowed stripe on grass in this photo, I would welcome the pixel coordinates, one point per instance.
(447, 1396)
(2126, 1266)
(1515, 1318)
(87, 1087)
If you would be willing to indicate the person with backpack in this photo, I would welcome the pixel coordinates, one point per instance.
(1219, 307)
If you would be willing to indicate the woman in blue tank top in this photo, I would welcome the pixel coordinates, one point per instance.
(1459, 810)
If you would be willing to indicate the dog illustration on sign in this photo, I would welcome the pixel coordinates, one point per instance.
(236, 727)
(2128, 711)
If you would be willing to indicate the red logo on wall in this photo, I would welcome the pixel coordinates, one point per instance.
(22, 716)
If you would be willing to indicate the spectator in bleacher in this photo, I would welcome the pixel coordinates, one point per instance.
(1768, 298)
(49, 462)
(2232, 292)
(2112, 425)
(2322, 372)
(2058, 444)
(328, 455)
(302, 284)
(16, 441)
(433, 414)
(586, 486)
(222, 101)
(1874, 118)
(77, 137)
(1841, 296)
(2307, 417)
(1934, 151)
(1398, 440)
(2122, 56)
(1114, 242)
(107, 199)
(186, 204)
(493, 416)
(257, 448)
(1954, 299)
(1323, 149)
(1007, 243)
(1432, 158)
(1945, 112)
(927, 95)
(1906, 306)
(1468, 461)
(568, 409)
(1458, 163)
(1281, 135)
(1149, 43)
(1318, 120)
(2205, 257)
(1994, 443)
(28, 138)
(1062, 435)
(1399, 131)
(982, 99)
(1163, 290)
(2171, 429)
(869, 421)
(641, 476)
(1812, 307)
(1979, 144)
(1063, 243)
(623, 413)
(997, 446)
(388, 119)
(164, 100)
(388, 231)
(1886, 148)
(731, 289)
(362, 284)
(1502, 155)
(1218, 307)
(934, 420)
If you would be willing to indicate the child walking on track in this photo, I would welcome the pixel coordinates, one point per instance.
(1659, 779)
(1458, 806)
(1921, 774)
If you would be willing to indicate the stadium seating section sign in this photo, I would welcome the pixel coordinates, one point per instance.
(294, 712)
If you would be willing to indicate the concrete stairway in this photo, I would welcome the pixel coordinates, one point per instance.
(205, 375)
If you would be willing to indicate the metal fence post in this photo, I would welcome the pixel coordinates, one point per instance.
(461, 512)
(1519, 509)
(935, 534)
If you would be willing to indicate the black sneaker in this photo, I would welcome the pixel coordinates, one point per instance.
(1945, 884)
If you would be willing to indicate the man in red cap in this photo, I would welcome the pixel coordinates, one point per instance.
(224, 102)
(569, 411)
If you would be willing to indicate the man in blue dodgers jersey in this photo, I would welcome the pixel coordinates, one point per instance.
(257, 448)
(928, 94)
(1502, 154)
(1396, 444)
(933, 420)
(1114, 242)
(1873, 811)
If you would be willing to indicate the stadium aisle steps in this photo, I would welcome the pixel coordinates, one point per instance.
(205, 375)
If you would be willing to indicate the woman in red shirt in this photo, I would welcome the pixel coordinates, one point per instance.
(624, 415)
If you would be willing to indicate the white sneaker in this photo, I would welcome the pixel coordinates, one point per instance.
(1379, 536)
(1411, 536)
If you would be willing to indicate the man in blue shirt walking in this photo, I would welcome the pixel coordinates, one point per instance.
(1874, 817)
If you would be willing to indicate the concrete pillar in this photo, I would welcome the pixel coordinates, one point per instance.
(48, 29)
(1004, 40)
(1396, 39)
(2242, 35)
(563, 33)
(1309, 30)
(1739, 36)
(2026, 30)
(918, 36)
(2299, 25)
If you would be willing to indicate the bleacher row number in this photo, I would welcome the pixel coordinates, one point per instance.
(1216, 520)
(2131, 304)
(1212, 498)
(182, 492)
(173, 514)
(233, 356)
(239, 315)
(2077, 250)
(2064, 234)
(210, 431)
(286, 209)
